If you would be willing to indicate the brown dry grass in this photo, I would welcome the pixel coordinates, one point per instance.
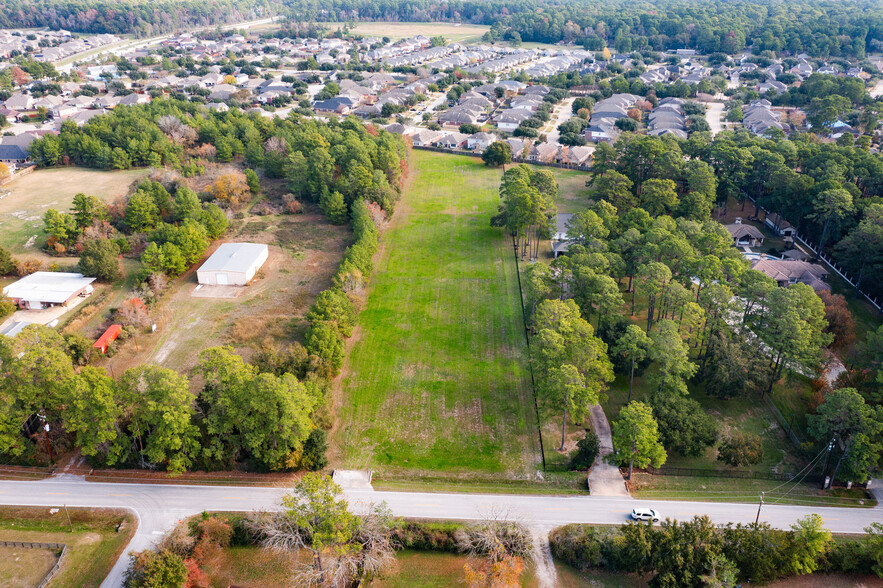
(22, 567)
(304, 253)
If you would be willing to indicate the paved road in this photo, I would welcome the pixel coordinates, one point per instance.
(159, 507)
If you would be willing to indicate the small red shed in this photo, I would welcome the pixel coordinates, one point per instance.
(110, 335)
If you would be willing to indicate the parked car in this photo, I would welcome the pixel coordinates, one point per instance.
(645, 514)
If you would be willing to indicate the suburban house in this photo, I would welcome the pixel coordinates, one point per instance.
(744, 235)
(508, 120)
(336, 105)
(47, 289)
(787, 271)
(480, 141)
(14, 151)
(575, 156)
(459, 115)
(452, 141)
(232, 264)
(543, 152)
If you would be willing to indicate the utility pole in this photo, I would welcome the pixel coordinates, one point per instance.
(757, 518)
(827, 461)
(70, 524)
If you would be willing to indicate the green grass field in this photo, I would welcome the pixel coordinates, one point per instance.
(401, 30)
(437, 378)
(21, 211)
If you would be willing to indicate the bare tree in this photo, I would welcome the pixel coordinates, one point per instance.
(276, 145)
(500, 532)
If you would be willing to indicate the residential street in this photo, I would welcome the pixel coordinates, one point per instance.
(159, 507)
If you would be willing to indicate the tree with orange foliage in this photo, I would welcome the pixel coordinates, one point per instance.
(635, 114)
(841, 323)
(230, 190)
(502, 572)
(19, 76)
(196, 578)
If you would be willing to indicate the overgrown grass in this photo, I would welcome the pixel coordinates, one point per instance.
(93, 547)
(437, 379)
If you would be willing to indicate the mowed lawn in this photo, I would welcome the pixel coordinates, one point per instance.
(30, 196)
(437, 377)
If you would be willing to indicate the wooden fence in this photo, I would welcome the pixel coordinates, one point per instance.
(32, 545)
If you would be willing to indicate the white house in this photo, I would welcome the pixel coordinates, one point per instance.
(233, 264)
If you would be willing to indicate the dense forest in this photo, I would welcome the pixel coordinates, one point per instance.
(818, 27)
(142, 18)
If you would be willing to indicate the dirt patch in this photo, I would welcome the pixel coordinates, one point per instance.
(22, 567)
(202, 291)
(305, 251)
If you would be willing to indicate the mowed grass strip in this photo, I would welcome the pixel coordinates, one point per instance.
(438, 378)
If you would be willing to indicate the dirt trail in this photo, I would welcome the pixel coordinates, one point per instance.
(604, 479)
(545, 567)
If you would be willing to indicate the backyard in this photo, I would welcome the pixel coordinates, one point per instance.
(437, 378)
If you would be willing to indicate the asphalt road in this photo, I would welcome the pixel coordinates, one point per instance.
(160, 507)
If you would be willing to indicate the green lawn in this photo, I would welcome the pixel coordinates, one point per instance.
(437, 378)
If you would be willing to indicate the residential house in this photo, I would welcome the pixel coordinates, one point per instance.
(336, 105)
(480, 141)
(786, 272)
(452, 141)
(543, 152)
(508, 120)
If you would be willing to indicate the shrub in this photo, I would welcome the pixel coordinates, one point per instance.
(587, 450)
(150, 568)
(428, 536)
(579, 546)
(740, 449)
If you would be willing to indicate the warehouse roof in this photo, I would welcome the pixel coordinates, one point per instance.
(54, 287)
(234, 257)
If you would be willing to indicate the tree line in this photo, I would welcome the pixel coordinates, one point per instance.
(818, 27)
(148, 417)
(141, 18)
(698, 553)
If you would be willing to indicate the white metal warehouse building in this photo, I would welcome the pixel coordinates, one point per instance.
(233, 264)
